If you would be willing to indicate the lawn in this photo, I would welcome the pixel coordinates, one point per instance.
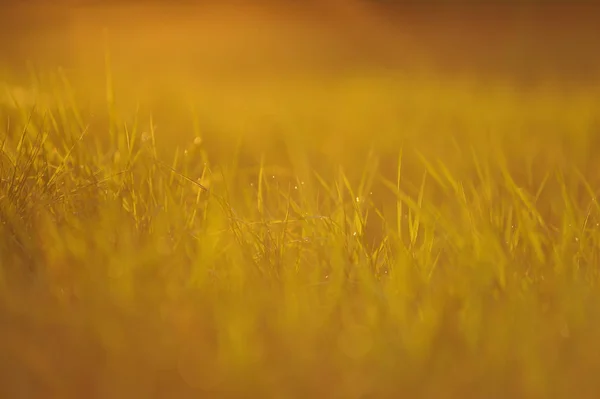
(373, 235)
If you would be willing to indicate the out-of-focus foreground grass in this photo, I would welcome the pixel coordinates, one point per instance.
(354, 237)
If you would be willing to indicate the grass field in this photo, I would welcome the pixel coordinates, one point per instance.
(374, 235)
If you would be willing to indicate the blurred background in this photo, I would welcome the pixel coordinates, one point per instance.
(331, 70)
(525, 43)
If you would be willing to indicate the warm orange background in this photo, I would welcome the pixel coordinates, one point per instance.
(524, 43)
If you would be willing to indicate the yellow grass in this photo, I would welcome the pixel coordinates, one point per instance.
(377, 235)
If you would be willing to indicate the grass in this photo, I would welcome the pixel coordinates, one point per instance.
(357, 238)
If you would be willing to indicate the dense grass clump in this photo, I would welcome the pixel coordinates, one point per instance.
(363, 238)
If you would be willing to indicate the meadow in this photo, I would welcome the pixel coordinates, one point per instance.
(367, 234)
